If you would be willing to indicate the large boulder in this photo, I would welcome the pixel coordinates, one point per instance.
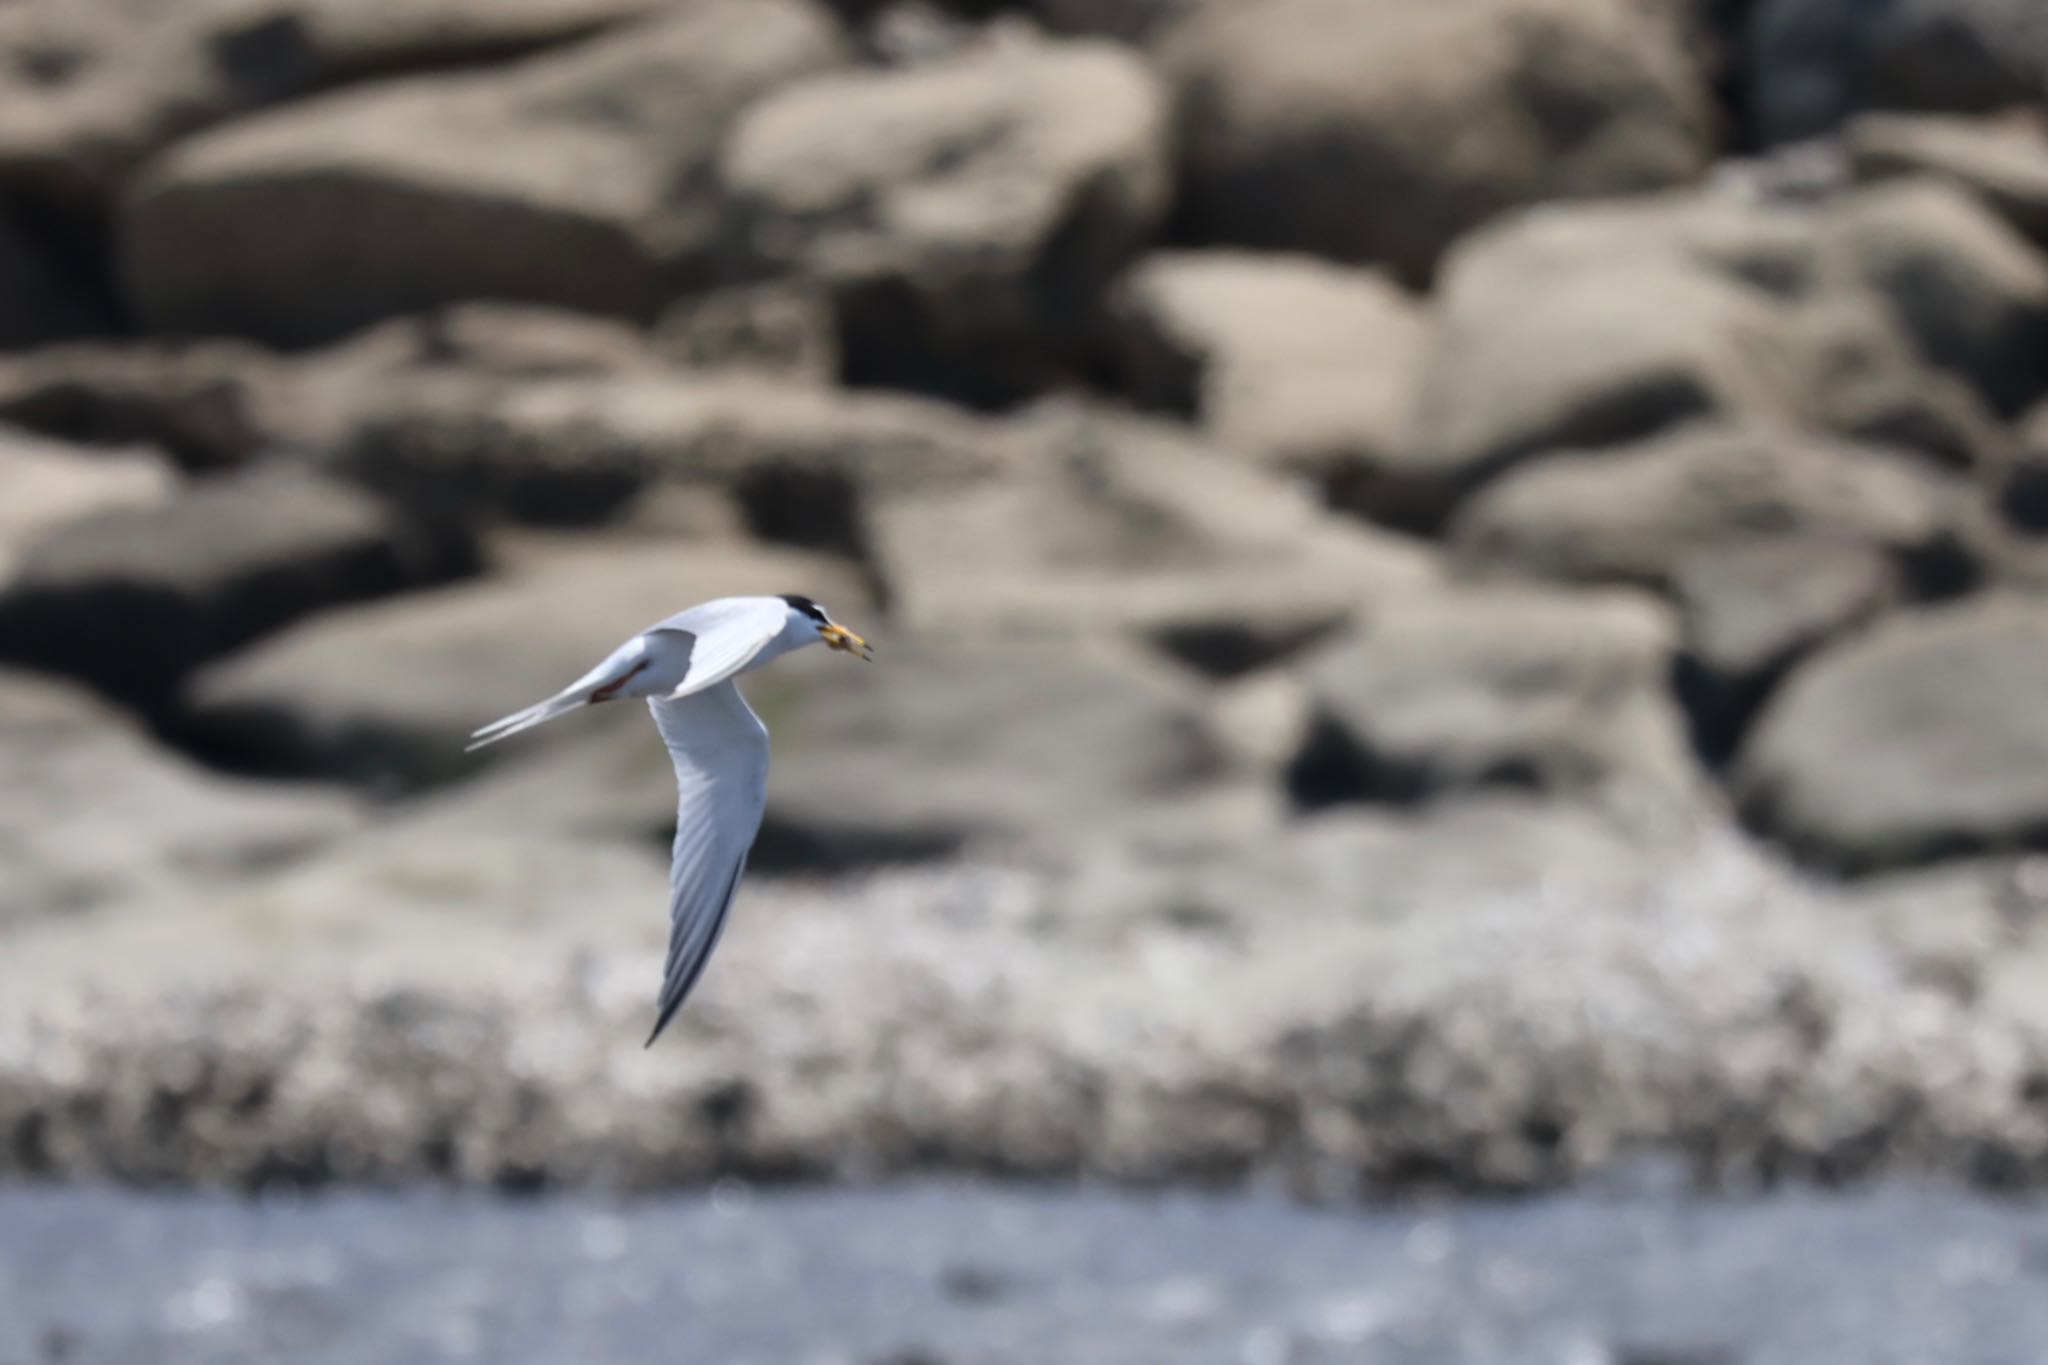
(1968, 291)
(210, 404)
(802, 460)
(1918, 740)
(218, 404)
(94, 813)
(964, 214)
(387, 694)
(1526, 359)
(1813, 62)
(1904, 313)
(133, 599)
(50, 485)
(2023, 492)
(1307, 367)
(89, 89)
(1116, 525)
(581, 178)
(1640, 513)
(1753, 609)
(2003, 162)
(311, 44)
(1478, 687)
(1381, 134)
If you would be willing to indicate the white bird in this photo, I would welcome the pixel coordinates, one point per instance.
(684, 667)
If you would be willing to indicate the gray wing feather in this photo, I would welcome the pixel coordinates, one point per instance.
(720, 752)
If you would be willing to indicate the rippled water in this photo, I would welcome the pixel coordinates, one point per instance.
(966, 1273)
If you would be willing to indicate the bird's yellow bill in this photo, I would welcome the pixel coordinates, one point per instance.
(845, 641)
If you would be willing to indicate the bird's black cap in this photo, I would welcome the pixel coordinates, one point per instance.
(807, 607)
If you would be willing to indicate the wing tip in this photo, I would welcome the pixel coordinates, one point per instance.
(659, 1025)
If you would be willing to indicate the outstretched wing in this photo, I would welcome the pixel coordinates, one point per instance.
(720, 751)
(729, 633)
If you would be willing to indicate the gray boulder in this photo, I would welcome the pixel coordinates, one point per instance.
(1915, 741)
(211, 405)
(2023, 493)
(1816, 61)
(580, 179)
(801, 460)
(1531, 354)
(221, 404)
(1314, 125)
(50, 485)
(1110, 525)
(1639, 513)
(90, 89)
(2003, 162)
(94, 813)
(313, 44)
(965, 215)
(1903, 313)
(1306, 367)
(133, 599)
(1967, 290)
(1470, 688)
(1751, 610)
(386, 695)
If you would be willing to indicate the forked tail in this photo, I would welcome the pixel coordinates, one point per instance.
(538, 714)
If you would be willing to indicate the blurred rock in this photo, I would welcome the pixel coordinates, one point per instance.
(1865, 381)
(1538, 347)
(134, 599)
(1891, 315)
(782, 329)
(1916, 741)
(1061, 745)
(1314, 125)
(208, 404)
(1448, 691)
(386, 695)
(578, 179)
(50, 485)
(1307, 367)
(1639, 513)
(2004, 162)
(311, 44)
(1966, 289)
(1816, 61)
(95, 813)
(965, 215)
(1115, 525)
(2023, 493)
(802, 460)
(220, 404)
(1752, 609)
(91, 88)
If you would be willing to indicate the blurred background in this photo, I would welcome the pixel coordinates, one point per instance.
(1460, 591)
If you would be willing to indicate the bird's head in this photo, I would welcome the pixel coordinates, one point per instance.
(831, 632)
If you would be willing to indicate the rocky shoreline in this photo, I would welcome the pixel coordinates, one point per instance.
(1459, 586)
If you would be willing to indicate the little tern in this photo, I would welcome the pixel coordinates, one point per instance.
(684, 667)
